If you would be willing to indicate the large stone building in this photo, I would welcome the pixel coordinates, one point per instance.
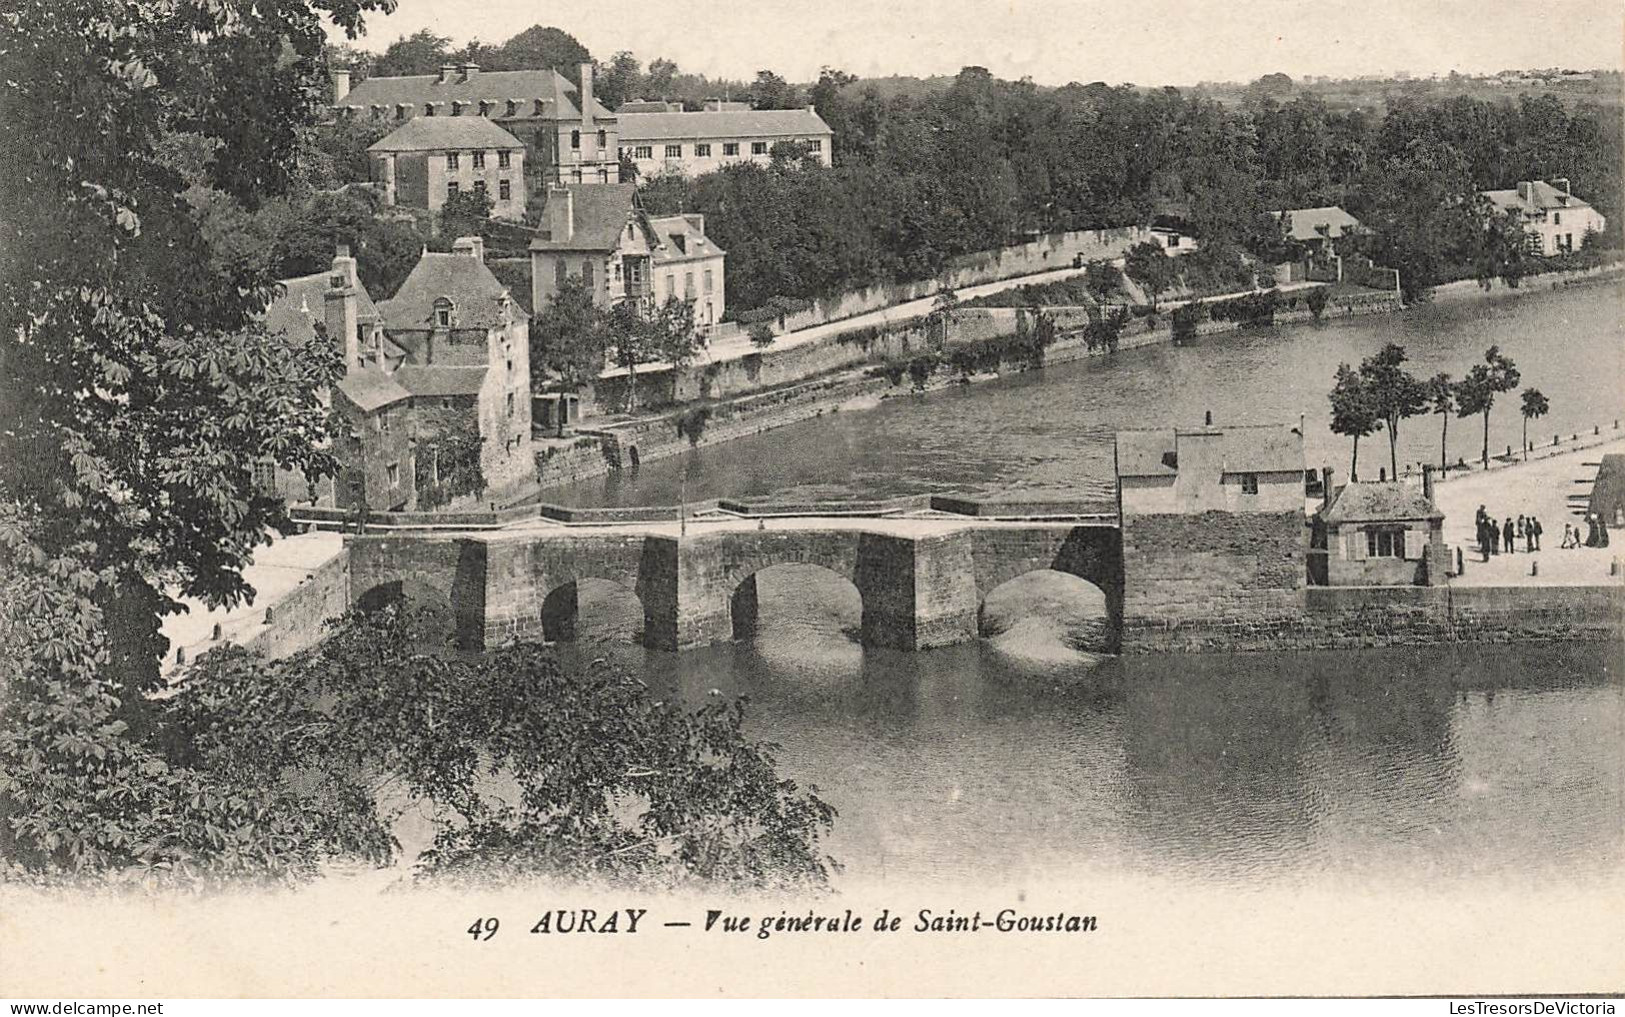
(435, 378)
(429, 160)
(568, 134)
(692, 143)
(1554, 220)
(601, 236)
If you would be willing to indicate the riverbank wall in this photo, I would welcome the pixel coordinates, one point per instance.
(1356, 617)
(761, 392)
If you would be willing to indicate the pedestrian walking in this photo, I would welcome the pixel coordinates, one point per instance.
(1535, 528)
(1570, 537)
(1509, 537)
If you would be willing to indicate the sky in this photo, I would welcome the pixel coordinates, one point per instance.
(1147, 42)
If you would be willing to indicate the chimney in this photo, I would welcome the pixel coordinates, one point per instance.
(447, 72)
(1562, 185)
(469, 71)
(1524, 189)
(341, 84)
(1325, 488)
(1427, 483)
(473, 247)
(560, 212)
(585, 94)
(342, 311)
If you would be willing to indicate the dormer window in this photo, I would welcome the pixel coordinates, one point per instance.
(513, 108)
(442, 313)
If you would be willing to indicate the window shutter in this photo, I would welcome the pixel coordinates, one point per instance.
(1416, 542)
(1357, 544)
(1349, 539)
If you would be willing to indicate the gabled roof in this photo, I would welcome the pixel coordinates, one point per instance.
(753, 123)
(371, 389)
(1542, 196)
(1307, 222)
(437, 380)
(601, 213)
(301, 302)
(432, 134)
(496, 86)
(1379, 502)
(683, 238)
(476, 295)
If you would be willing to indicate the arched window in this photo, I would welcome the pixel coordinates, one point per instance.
(442, 313)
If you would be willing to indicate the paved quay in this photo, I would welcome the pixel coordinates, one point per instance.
(1541, 487)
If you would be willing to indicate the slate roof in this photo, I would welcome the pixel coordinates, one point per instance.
(1542, 196)
(1306, 220)
(1248, 448)
(1140, 453)
(476, 295)
(683, 239)
(496, 86)
(302, 301)
(371, 389)
(754, 123)
(601, 214)
(1379, 502)
(433, 134)
(435, 380)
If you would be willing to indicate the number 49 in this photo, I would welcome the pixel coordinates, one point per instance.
(483, 929)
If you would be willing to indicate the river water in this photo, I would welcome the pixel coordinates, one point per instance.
(1018, 760)
(1050, 431)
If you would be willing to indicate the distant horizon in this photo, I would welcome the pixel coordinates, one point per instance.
(1147, 43)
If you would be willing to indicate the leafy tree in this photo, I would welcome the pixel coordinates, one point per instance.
(618, 81)
(609, 783)
(772, 92)
(673, 336)
(1354, 412)
(423, 52)
(541, 46)
(761, 335)
(1394, 394)
(466, 214)
(1534, 407)
(1441, 397)
(1316, 301)
(1475, 395)
(570, 336)
(628, 343)
(1503, 249)
(137, 396)
(1149, 266)
(1102, 279)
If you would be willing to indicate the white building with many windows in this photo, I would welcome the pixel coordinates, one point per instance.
(698, 142)
(1554, 220)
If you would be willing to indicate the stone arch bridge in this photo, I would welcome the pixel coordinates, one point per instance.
(922, 575)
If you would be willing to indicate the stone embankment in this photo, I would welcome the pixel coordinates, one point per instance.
(837, 370)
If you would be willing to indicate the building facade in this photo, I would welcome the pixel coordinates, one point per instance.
(429, 160)
(600, 236)
(1384, 534)
(692, 143)
(567, 133)
(435, 380)
(1554, 220)
(1246, 469)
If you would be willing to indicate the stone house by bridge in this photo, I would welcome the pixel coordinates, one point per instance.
(433, 378)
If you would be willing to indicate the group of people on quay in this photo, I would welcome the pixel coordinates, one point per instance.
(1596, 533)
(1494, 537)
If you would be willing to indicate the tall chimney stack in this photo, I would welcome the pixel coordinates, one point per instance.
(341, 84)
(447, 73)
(1427, 482)
(586, 95)
(342, 311)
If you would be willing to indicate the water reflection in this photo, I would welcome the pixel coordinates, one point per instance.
(973, 764)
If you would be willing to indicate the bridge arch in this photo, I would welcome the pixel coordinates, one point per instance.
(837, 594)
(1093, 554)
(606, 601)
(1050, 604)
